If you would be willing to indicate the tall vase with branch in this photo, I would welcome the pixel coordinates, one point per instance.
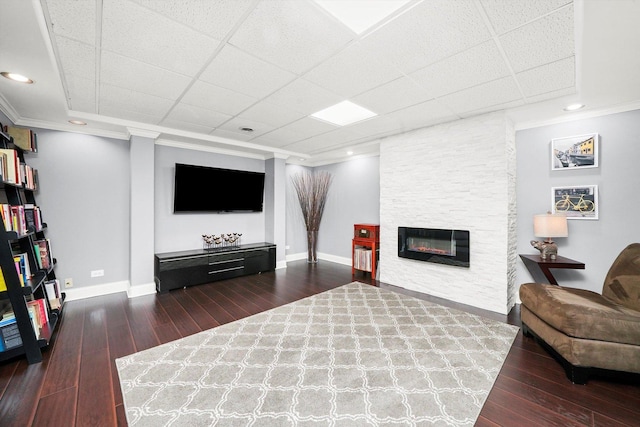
(312, 189)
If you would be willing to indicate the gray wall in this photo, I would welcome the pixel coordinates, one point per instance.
(176, 232)
(84, 196)
(594, 242)
(354, 198)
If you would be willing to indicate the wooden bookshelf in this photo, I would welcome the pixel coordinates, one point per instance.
(365, 247)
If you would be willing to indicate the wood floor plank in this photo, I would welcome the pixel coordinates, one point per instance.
(57, 409)
(180, 317)
(200, 316)
(96, 406)
(65, 355)
(18, 405)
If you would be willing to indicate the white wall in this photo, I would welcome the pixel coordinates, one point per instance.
(353, 198)
(84, 196)
(458, 175)
(183, 231)
(596, 243)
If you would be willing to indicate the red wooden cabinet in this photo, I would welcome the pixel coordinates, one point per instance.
(364, 248)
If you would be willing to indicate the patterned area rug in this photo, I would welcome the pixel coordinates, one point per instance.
(356, 355)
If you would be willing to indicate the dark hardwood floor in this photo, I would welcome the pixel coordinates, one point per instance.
(77, 383)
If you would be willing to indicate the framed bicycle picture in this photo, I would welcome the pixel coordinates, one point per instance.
(575, 152)
(577, 202)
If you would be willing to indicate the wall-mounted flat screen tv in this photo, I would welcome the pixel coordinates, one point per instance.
(207, 189)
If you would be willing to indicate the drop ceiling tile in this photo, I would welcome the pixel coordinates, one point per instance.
(480, 64)
(290, 33)
(241, 72)
(114, 97)
(81, 93)
(548, 78)
(546, 40)
(196, 115)
(352, 71)
(506, 15)
(76, 58)
(432, 31)
(216, 98)
(497, 107)
(186, 126)
(271, 114)
(304, 97)
(300, 130)
(552, 95)
(486, 95)
(73, 19)
(233, 126)
(121, 112)
(131, 30)
(376, 126)
(214, 18)
(223, 133)
(395, 95)
(131, 74)
(422, 115)
(325, 141)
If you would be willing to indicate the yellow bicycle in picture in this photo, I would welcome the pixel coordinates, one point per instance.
(581, 204)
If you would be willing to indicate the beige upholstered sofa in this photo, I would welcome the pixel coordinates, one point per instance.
(587, 331)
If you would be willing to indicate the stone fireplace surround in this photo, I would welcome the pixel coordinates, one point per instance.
(458, 175)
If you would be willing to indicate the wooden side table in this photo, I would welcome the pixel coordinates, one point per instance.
(540, 268)
(367, 236)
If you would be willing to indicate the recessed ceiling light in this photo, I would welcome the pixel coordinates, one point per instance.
(349, 153)
(361, 15)
(573, 107)
(246, 129)
(16, 77)
(344, 113)
(77, 122)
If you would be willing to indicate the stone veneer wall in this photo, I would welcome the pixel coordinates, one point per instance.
(458, 175)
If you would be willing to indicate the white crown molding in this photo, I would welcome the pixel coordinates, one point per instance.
(598, 112)
(8, 110)
(181, 133)
(199, 147)
(143, 133)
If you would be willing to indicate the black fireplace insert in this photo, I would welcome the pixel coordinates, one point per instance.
(449, 247)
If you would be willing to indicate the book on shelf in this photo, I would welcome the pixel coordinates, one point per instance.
(12, 172)
(43, 252)
(26, 139)
(41, 312)
(33, 217)
(22, 267)
(362, 259)
(52, 288)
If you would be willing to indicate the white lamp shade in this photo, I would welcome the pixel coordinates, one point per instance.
(550, 225)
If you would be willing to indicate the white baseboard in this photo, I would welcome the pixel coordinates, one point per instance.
(321, 256)
(140, 290)
(74, 294)
(281, 264)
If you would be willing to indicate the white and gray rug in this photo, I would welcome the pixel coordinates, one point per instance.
(356, 355)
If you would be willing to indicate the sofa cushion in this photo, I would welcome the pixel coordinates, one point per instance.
(624, 290)
(581, 313)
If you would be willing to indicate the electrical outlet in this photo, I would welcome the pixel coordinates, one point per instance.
(97, 273)
(68, 283)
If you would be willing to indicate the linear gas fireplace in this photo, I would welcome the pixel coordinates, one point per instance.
(434, 245)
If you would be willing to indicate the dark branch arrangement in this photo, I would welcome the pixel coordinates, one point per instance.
(312, 189)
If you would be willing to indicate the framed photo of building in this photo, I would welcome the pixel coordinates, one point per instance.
(575, 152)
(577, 202)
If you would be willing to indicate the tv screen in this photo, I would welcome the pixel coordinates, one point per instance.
(206, 189)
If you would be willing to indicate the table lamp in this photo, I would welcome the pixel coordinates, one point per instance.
(549, 225)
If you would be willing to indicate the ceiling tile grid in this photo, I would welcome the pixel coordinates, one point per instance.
(543, 41)
(214, 66)
(290, 33)
(136, 32)
(240, 72)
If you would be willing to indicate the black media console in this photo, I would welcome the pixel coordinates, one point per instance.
(174, 270)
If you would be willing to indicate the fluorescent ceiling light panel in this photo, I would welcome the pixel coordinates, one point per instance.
(344, 113)
(360, 15)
